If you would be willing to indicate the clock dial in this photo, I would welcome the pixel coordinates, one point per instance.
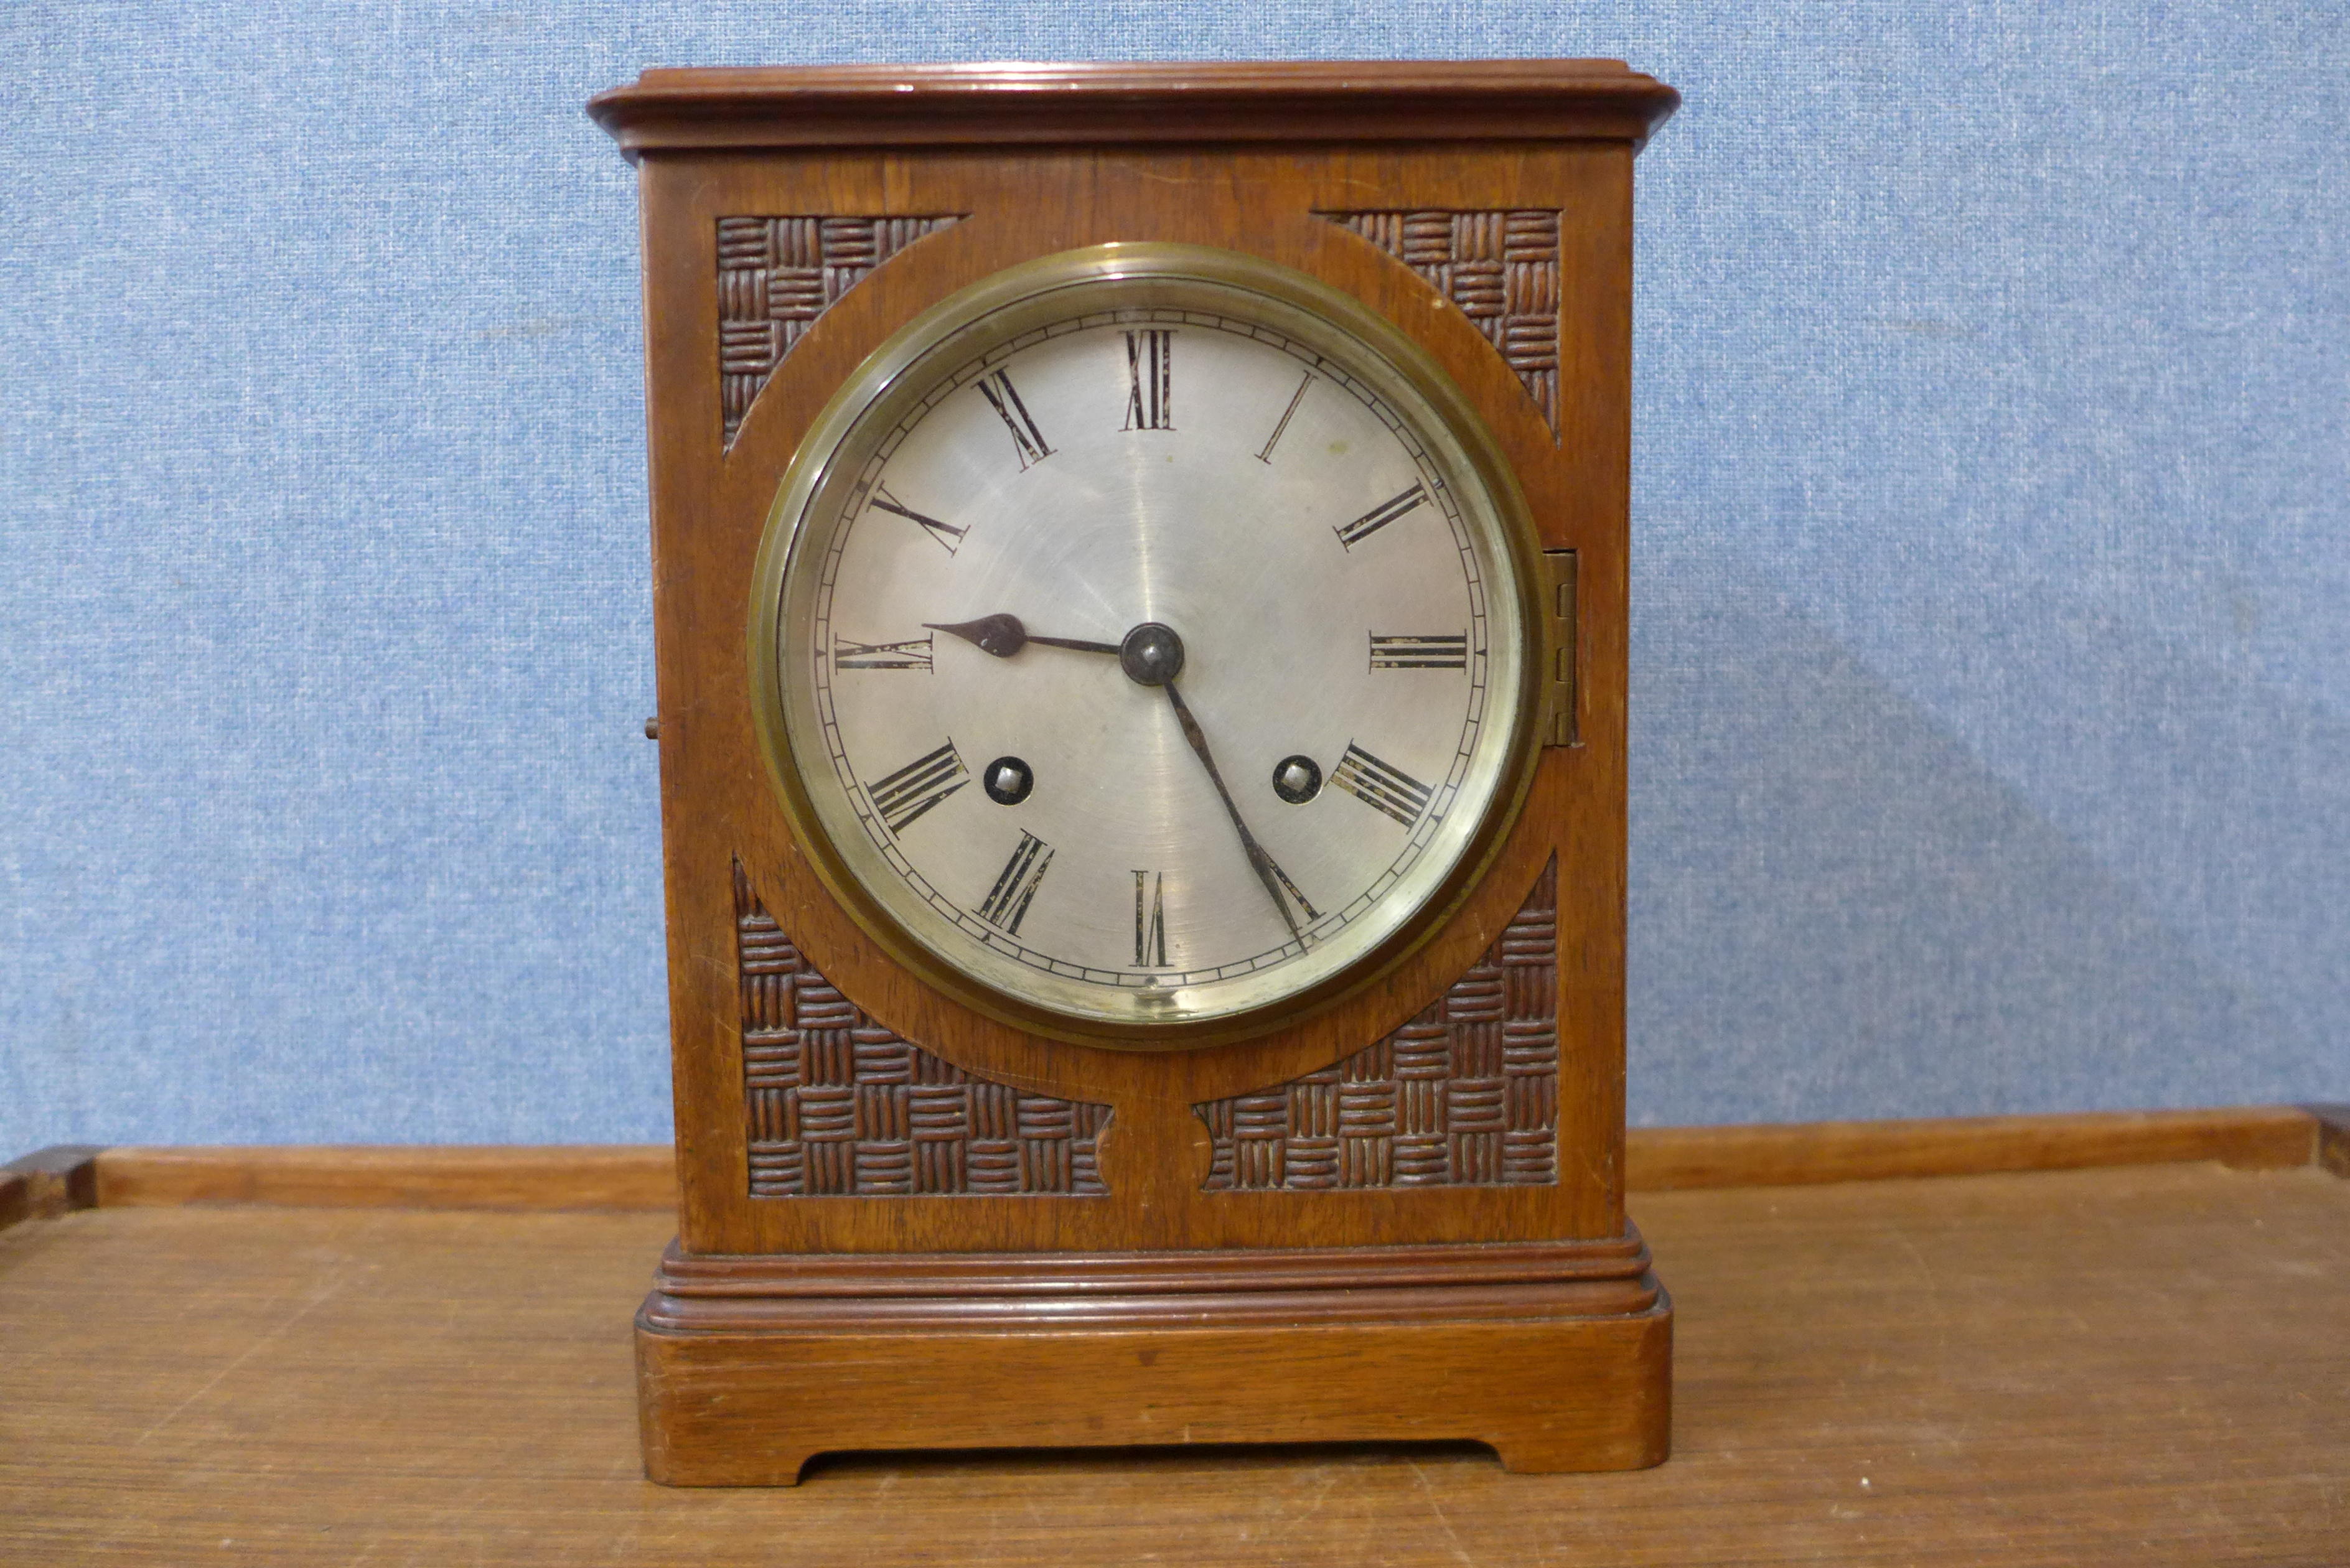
(1148, 649)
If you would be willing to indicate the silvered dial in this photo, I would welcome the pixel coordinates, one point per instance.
(1147, 648)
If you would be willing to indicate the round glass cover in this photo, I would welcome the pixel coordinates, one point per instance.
(1140, 640)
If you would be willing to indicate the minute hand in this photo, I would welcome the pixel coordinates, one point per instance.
(1267, 871)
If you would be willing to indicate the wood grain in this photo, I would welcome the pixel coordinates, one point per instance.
(2251, 1138)
(2145, 1367)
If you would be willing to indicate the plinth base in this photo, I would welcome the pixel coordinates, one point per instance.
(1557, 1355)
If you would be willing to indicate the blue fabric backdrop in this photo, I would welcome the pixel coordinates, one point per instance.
(1991, 656)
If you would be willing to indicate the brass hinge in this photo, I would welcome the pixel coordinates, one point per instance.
(1558, 723)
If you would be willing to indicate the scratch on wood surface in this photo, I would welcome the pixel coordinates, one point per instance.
(1435, 1506)
(249, 1353)
(1594, 1164)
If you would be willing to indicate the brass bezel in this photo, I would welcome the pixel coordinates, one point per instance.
(998, 308)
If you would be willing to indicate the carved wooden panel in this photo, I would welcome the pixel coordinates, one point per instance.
(1500, 268)
(840, 1105)
(1466, 1094)
(776, 275)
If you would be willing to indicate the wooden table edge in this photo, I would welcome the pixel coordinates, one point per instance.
(643, 1177)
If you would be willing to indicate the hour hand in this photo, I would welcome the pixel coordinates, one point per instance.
(1004, 636)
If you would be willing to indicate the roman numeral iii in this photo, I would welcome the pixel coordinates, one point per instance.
(1381, 785)
(1353, 533)
(1149, 381)
(1027, 441)
(913, 655)
(1150, 921)
(946, 534)
(1448, 651)
(905, 795)
(1015, 886)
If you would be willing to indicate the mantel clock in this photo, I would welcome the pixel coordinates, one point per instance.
(1140, 572)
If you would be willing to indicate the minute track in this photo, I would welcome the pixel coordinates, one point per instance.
(1126, 518)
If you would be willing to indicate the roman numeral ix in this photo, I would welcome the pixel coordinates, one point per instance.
(913, 655)
(1015, 886)
(1027, 441)
(1380, 785)
(946, 534)
(1149, 381)
(1150, 921)
(1353, 533)
(905, 795)
(1442, 651)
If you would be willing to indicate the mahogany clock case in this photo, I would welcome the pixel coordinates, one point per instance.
(1180, 1245)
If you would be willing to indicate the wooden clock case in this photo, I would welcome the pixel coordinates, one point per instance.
(906, 1223)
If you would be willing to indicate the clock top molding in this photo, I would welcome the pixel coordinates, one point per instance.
(996, 103)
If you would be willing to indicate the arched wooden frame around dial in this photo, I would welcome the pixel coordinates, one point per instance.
(1155, 1154)
(1465, 469)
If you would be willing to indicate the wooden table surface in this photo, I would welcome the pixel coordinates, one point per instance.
(2139, 1365)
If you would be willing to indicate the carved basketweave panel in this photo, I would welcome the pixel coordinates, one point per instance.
(838, 1105)
(1466, 1094)
(776, 275)
(1500, 268)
